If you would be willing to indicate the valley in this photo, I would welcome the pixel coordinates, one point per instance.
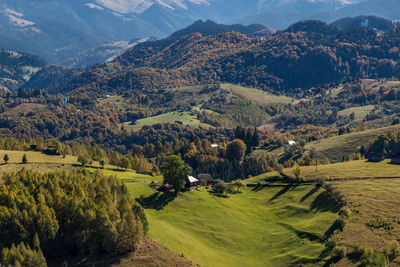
(164, 140)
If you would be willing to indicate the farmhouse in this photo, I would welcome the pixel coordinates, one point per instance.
(191, 183)
(396, 158)
(376, 157)
(51, 151)
(206, 177)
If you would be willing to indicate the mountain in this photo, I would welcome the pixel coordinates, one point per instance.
(307, 55)
(103, 53)
(17, 68)
(58, 30)
(281, 14)
(373, 22)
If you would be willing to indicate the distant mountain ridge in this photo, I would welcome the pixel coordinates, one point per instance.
(59, 30)
(17, 68)
(306, 55)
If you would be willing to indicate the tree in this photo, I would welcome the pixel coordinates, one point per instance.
(124, 163)
(102, 163)
(83, 159)
(235, 150)
(297, 170)
(24, 159)
(239, 184)
(6, 158)
(175, 172)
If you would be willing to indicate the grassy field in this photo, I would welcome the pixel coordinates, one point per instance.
(336, 147)
(351, 170)
(368, 201)
(39, 162)
(186, 118)
(255, 95)
(270, 226)
(24, 108)
(359, 112)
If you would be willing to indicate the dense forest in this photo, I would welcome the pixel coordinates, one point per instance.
(326, 54)
(58, 215)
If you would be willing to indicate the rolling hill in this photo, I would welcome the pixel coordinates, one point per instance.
(17, 68)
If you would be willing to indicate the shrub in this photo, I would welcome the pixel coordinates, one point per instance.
(297, 170)
(345, 212)
(338, 253)
(380, 223)
(373, 259)
(393, 251)
(6, 158)
(320, 181)
(24, 159)
(358, 251)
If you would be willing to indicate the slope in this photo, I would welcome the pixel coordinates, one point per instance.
(274, 226)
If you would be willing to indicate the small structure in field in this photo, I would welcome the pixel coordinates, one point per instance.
(214, 145)
(206, 177)
(191, 183)
(376, 157)
(51, 151)
(396, 158)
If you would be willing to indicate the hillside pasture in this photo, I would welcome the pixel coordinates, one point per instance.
(359, 112)
(39, 162)
(24, 108)
(360, 169)
(186, 118)
(337, 147)
(275, 225)
(257, 96)
(371, 200)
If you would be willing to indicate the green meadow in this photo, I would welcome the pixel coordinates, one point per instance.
(274, 225)
(186, 118)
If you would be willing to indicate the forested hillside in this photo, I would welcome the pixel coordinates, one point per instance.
(307, 55)
(17, 68)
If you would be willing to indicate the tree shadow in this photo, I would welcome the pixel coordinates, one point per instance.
(325, 202)
(310, 193)
(157, 200)
(222, 195)
(303, 234)
(283, 191)
(335, 226)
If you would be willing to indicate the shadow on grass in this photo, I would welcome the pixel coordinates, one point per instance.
(309, 194)
(283, 191)
(303, 234)
(325, 202)
(212, 192)
(157, 200)
(335, 226)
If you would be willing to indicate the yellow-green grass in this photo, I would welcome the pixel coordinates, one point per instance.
(393, 84)
(255, 95)
(359, 112)
(351, 170)
(38, 162)
(24, 108)
(369, 200)
(186, 118)
(336, 147)
(270, 226)
(261, 178)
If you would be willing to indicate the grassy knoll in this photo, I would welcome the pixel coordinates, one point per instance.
(359, 112)
(368, 201)
(186, 118)
(350, 170)
(38, 162)
(255, 95)
(269, 226)
(336, 147)
(24, 108)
